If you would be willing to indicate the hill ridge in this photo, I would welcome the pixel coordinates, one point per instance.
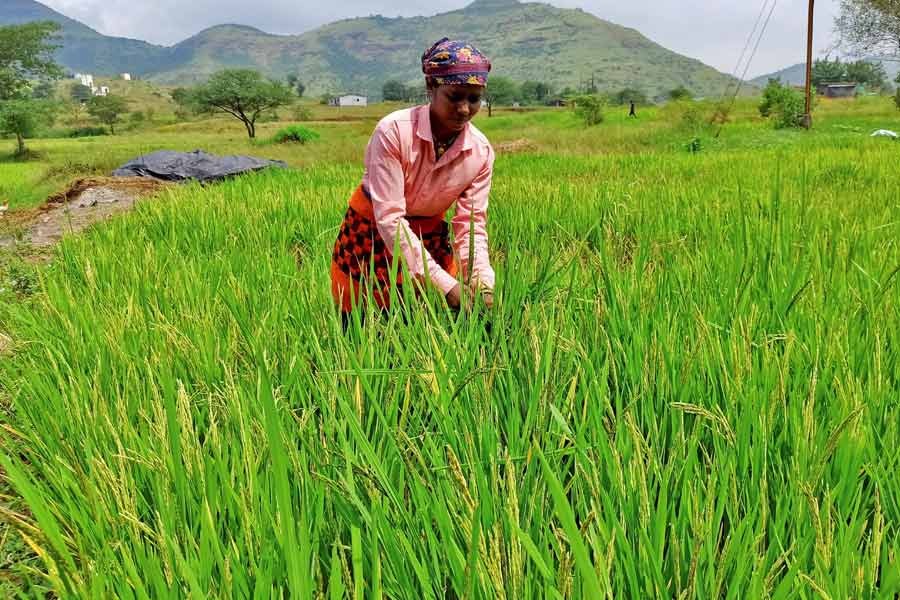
(526, 40)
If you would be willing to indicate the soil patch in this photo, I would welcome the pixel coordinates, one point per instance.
(82, 204)
(520, 145)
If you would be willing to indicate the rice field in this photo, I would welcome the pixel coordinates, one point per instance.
(689, 386)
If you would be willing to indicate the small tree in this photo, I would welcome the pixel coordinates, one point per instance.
(394, 91)
(784, 104)
(870, 74)
(501, 91)
(293, 81)
(590, 108)
(80, 93)
(22, 118)
(243, 94)
(536, 92)
(26, 54)
(629, 95)
(44, 90)
(680, 93)
(108, 110)
(826, 70)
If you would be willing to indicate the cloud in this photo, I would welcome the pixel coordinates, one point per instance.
(714, 31)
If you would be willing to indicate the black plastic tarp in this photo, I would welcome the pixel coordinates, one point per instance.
(197, 165)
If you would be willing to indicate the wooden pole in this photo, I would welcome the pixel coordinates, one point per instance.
(807, 117)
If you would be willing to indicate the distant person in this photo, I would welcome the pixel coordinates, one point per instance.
(633, 111)
(419, 162)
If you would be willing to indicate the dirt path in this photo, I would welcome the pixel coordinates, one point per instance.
(85, 202)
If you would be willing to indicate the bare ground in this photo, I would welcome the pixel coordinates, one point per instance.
(85, 202)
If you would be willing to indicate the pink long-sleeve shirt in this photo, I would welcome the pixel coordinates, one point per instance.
(403, 179)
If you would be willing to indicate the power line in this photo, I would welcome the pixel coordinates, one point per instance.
(762, 33)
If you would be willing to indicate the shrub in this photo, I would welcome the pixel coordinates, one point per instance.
(897, 98)
(783, 104)
(590, 108)
(86, 132)
(295, 134)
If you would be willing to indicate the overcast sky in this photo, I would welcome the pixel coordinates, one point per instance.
(713, 31)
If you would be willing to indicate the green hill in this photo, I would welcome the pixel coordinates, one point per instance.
(537, 41)
(82, 48)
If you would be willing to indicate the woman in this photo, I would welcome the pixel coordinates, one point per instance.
(419, 162)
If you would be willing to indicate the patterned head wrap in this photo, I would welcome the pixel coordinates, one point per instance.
(450, 62)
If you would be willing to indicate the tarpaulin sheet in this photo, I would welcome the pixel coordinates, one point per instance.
(197, 165)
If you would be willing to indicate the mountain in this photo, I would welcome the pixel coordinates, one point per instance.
(796, 74)
(565, 47)
(82, 48)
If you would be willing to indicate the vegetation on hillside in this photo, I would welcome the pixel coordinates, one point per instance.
(359, 55)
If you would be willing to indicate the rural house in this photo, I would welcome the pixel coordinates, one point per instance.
(349, 100)
(837, 90)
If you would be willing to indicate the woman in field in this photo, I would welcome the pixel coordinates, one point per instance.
(419, 162)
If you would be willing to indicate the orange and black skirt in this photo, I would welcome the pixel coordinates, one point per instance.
(360, 252)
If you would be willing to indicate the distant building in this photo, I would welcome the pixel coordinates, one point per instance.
(101, 91)
(85, 79)
(126, 76)
(837, 90)
(349, 100)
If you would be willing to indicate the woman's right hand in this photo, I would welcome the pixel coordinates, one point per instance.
(454, 296)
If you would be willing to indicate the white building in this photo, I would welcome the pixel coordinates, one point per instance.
(85, 79)
(126, 76)
(101, 91)
(349, 100)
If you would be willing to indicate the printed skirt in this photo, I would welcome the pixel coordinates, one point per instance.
(360, 252)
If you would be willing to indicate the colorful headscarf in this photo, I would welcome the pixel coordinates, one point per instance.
(454, 62)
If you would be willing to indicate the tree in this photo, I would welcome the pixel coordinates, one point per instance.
(44, 90)
(80, 93)
(293, 81)
(22, 118)
(243, 94)
(869, 27)
(26, 54)
(108, 110)
(826, 70)
(182, 97)
(870, 74)
(784, 104)
(536, 92)
(590, 108)
(500, 90)
(394, 91)
(629, 95)
(680, 93)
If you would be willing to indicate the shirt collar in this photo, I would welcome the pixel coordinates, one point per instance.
(423, 128)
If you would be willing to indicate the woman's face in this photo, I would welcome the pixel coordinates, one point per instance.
(455, 105)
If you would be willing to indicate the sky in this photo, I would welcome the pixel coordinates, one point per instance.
(714, 31)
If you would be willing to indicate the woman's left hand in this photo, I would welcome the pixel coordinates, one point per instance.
(486, 294)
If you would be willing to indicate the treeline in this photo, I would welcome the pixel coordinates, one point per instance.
(870, 75)
(504, 91)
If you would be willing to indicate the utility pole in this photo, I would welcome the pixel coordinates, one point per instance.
(807, 118)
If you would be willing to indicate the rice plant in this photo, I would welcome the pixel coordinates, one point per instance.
(689, 387)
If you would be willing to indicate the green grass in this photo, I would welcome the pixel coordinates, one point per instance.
(688, 386)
